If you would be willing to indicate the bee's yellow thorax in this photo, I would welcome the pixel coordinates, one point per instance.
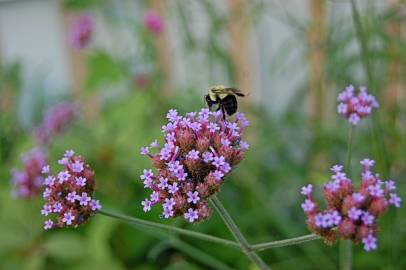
(217, 90)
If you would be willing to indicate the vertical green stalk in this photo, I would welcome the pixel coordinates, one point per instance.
(349, 150)
(346, 245)
(376, 127)
(235, 231)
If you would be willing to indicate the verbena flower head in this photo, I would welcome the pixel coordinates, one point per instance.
(199, 150)
(69, 193)
(355, 107)
(81, 31)
(351, 214)
(55, 121)
(153, 22)
(27, 182)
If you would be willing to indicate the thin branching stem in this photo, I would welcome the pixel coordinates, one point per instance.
(210, 238)
(150, 224)
(285, 242)
(235, 231)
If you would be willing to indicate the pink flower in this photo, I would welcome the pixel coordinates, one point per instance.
(70, 198)
(350, 214)
(198, 151)
(353, 107)
(153, 22)
(81, 31)
(191, 215)
(55, 122)
(27, 182)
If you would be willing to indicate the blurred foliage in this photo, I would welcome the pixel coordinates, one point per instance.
(261, 194)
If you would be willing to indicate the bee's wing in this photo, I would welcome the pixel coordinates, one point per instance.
(219, 91)
(235, 91)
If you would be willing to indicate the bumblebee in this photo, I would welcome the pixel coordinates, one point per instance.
(225, 97)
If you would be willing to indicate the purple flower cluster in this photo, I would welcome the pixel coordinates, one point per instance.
(200, 149)
(355, 107)
(55, 120)
(153, 22)
(81, 31)
(69, 193)
(27, 183)
(349, 214)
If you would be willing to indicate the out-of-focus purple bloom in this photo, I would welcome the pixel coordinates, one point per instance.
(353, 107)
(55, 121)
(27, 182)
(81, 31)
(153, 22)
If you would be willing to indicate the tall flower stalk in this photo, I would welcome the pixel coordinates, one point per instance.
(346, 245)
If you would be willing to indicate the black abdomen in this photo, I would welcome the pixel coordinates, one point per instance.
(229, 104)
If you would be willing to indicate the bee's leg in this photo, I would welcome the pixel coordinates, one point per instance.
(224, 112)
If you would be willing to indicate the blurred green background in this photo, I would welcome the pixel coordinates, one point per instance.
(293, 57)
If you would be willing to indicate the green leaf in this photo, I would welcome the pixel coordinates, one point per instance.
(103, 69)
(66, 246)
(80, 4)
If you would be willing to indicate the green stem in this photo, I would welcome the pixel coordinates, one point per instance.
(346, 254)
(235, 231)
(349, 150)
(376, 127)
(197, 254)
(150, 224)
(362, 41)
(346, 245)
(285, 242)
